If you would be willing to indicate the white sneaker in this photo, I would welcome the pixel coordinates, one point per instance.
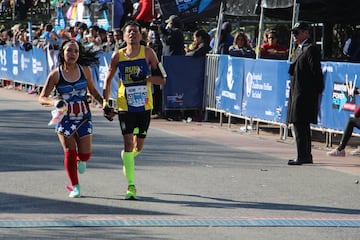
(75, 193)
(336, 153)
(356, 152)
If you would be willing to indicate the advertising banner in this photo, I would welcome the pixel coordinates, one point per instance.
(230, 87)
(265, 89)
(190, 10)
(184, 88)
(100, 74)
(23, 66)
(339, 99)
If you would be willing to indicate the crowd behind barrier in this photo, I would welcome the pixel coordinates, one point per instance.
(257, 90)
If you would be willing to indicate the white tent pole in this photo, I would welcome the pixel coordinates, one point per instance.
(295, 18)
(112, 14)
(218, 28)
(261, 26)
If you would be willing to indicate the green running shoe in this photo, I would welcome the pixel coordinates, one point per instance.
(75, 193)
(81, 166)
(131, 193)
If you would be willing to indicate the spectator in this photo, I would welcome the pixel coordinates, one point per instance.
(352, 47)
(272, 49)
(144, 35)
(92, 44)
(64, 35)
(24, 42)
(119, 38)
(172, 37)
(241, 46)
(53, 40)
(37, 41)
(71, 31)
(201, 44)
(154, 40)
(15, 34)
(227, 28)
(223, 47)
(212, 34)
(94, 31)
(110, 44)
(79, 29)
(3, 36)
(9, 38)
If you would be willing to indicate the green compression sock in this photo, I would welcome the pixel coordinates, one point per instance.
(129, 163)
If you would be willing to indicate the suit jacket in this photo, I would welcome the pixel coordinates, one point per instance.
(306, 85)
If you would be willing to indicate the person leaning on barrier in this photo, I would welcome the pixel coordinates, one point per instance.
(139, 69)
(272, 49)
(306, 87)
(349, 128)
(241, 46)
(201, 44)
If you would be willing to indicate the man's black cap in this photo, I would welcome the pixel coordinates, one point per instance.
(300, 26)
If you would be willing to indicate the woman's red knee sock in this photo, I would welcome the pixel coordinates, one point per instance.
(71, 166)
(84, 157)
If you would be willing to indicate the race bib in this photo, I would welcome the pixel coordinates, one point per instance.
(136, 95)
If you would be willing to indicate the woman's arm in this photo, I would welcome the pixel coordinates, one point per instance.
(91, 85)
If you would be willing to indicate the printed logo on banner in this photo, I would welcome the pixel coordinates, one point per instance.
(230, 77)
(343, 94)
(3, 57)
(254, 87)
(15, 57)
(248, 82)
(178, 99)
(36, 66)
(24, 62)
(229, 83)
(15, 60)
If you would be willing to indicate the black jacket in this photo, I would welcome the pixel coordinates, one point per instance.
(306, 85)
(173, 42)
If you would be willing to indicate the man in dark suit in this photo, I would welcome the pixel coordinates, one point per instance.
(306, 88)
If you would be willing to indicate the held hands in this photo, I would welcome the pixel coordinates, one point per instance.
(138, 76)
(109, 112)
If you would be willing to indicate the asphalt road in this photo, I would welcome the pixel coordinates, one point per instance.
(195, 181)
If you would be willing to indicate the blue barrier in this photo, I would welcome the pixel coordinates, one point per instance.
(245, 87)
(184, 88)
(260, 89)
(28, 67)
(338, 100)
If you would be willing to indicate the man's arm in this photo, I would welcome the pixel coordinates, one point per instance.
(158, 74)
